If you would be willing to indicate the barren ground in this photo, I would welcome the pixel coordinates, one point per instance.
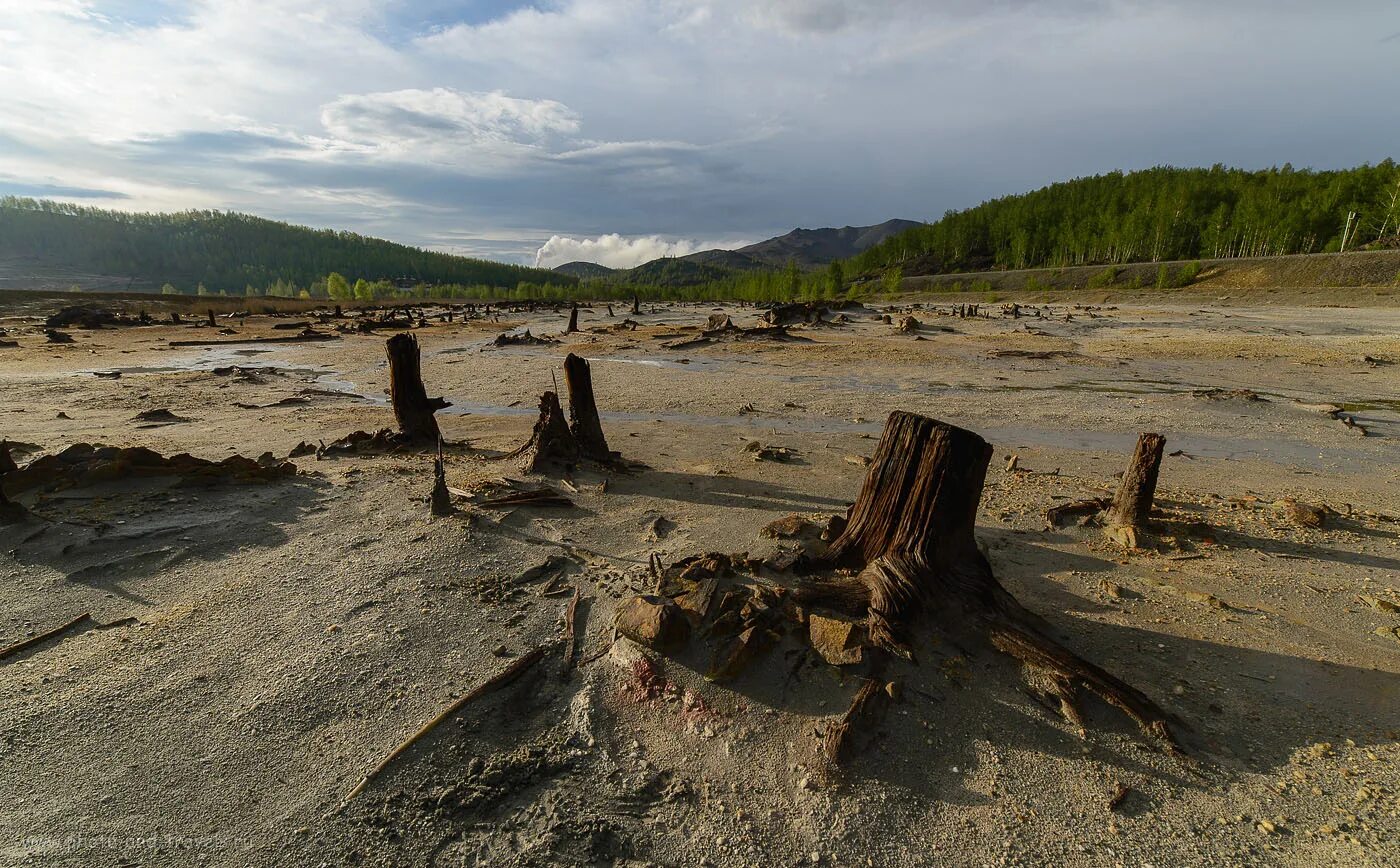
(291, 634)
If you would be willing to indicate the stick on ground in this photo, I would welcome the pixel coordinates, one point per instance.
(495, 682)
(82, 620)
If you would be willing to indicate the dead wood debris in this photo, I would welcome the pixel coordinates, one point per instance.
(495, 682)
(82, 621)
(1217, 394)
(760, 452)
(506, 339)
(84, 464)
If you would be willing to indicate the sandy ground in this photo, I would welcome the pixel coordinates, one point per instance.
(289, 635)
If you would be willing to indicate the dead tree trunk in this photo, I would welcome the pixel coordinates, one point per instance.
(610, 311)
(636, 304)
(10, 511)
(583, 410)
(573, 321)
(1133, 504)
(212, 323)
(910, 536)
(551, 443)
(412, 407)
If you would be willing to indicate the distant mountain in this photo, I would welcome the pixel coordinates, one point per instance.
(812, 248)
(584, 270)
(809, 248)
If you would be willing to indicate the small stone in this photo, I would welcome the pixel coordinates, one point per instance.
(787, 527)
(834, 640)
(655, 622)
(1267, 827)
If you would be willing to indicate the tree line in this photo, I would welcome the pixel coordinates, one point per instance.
(231, 253)
(1153, 215)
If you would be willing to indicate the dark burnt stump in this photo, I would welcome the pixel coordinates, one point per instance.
(636, 304)
(573, 320)
(910, 542)
(10, 512)
(584, 423)
(413, 409)
(440, 502)
(551, 444)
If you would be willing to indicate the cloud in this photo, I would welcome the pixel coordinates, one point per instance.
(616, 251)
(448, 125)
(514, 122)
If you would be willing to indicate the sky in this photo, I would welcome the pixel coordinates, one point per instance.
(621, 130)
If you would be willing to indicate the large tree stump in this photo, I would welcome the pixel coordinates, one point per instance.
(1132, 506)
(584, 423)
(551, 444)
(910, 539)
(10, 512)
(573, 320)
(636, 304)
(413, 409)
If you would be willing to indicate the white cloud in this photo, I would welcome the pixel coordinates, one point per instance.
(448, 125)
(667, 118)
(616, 251)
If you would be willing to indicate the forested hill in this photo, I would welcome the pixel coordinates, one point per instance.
(1156, 214)
(227, 251)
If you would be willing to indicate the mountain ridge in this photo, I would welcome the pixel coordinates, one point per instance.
(807, 248)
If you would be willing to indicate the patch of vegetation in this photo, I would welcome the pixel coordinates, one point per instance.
(227, 252)
(1105, 278)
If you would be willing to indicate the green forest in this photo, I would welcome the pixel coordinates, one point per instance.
(1154, 215)
(234, 254)
(1157, 214)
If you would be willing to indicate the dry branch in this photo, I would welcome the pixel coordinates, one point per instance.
(495, 682)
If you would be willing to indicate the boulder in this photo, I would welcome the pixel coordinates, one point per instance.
(655, 622)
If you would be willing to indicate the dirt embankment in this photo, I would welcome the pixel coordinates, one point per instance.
(1365, 277)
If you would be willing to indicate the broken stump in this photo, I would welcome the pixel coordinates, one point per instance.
(584, 423)
(413, 409)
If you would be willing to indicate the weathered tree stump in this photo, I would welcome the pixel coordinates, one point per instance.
(441, 500)
(211, 322)
(636, 304)
(573, 320)
(1132, 506)
(413, 409)
(551, 444)
(10, 512)
(910, 537)
(584, 423)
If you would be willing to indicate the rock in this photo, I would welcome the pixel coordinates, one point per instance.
(1207, 599)
(732, 660)
(1303, 514)
(858, 460)
(1380, 605)
(835, 526)
(655, 622)
(787, 527)
(834, 640)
